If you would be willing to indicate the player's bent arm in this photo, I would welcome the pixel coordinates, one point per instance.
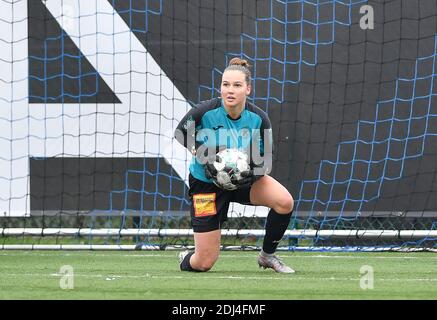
(187, 128)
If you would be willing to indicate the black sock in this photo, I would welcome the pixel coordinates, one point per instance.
(276, 226)
(185, 264)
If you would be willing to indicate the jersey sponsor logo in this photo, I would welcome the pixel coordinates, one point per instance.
(204, 204)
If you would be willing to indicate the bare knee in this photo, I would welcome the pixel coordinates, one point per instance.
(285, 204)
(204, 264)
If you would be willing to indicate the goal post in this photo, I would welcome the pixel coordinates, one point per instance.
(91, 92)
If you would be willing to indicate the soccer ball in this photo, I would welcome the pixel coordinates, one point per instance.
(229, 163)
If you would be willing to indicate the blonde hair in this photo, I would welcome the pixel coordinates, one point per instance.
(240, 65)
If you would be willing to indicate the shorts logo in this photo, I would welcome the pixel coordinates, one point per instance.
(204, 204)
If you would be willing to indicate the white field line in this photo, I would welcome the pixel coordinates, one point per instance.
(112, 277)
(233, 256)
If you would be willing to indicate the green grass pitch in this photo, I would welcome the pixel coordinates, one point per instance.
(155, 275)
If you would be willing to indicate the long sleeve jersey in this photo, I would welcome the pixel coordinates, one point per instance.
(209, 125)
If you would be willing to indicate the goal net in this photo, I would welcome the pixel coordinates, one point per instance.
(91, 92)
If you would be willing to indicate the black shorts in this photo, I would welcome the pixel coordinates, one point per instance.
(210, 204)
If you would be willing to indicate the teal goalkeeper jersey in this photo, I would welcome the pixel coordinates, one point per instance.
(209, 125)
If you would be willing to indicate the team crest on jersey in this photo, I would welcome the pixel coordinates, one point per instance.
(204, 204)
(245, 132)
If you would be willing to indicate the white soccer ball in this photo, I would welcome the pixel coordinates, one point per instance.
(229, 164)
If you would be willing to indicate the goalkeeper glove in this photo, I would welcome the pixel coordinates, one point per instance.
(246, 180)
(248, 177)
(210, 170)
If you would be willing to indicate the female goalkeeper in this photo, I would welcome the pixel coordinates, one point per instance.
(231, 122)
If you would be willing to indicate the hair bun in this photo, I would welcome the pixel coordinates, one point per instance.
(239, 62)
